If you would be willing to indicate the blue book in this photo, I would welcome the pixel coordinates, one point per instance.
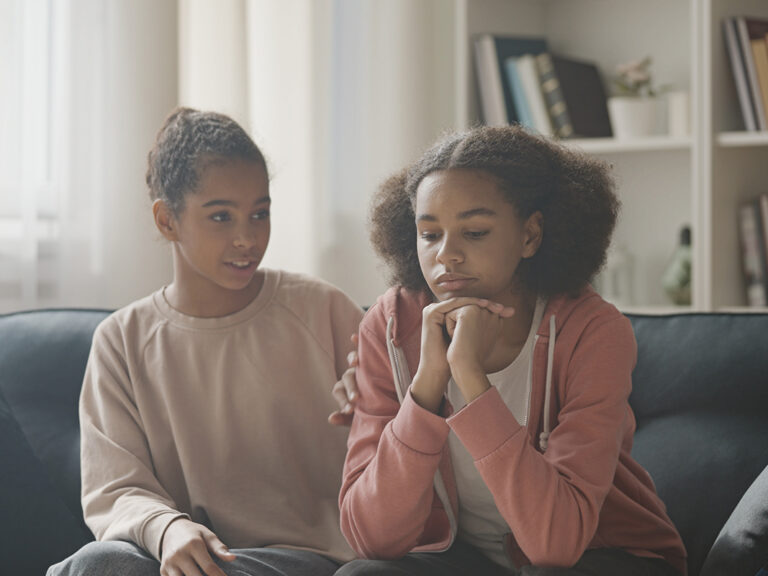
(504, 47)
(522, 109)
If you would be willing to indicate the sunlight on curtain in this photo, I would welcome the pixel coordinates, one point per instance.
(342, 93)
(28, 197)
(86, 84)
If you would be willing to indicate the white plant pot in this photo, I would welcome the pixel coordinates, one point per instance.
(635, 117)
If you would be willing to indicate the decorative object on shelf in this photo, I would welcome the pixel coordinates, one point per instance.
(676, 279)
(636, 110)
(614, 283)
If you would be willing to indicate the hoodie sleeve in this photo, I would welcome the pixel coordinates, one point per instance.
(121, 497)
(552, 501)
(387, 497)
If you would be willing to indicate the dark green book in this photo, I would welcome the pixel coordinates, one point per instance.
(553, 96)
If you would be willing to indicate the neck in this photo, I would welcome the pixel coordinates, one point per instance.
(193, 295)
(514, 332)
(516, 328)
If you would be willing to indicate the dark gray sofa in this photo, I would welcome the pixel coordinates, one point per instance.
(700, 398)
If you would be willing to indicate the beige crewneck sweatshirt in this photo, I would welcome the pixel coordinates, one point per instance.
(223, 419)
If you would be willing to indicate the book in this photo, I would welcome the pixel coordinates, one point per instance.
(492, 107)
(757, 30)
(491, 52)
(753, 253)
(733, 47)
(518, 94)
(585, 98)
(744, 34)
(529, 77)
(760, 55)
(553, 97)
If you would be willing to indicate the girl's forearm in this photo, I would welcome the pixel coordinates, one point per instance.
(471, 381)
(428, 390)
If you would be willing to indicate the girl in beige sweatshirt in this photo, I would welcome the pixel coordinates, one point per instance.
(204, 442)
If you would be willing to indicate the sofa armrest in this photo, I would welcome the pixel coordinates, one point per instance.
(741, 548)
(37, 528)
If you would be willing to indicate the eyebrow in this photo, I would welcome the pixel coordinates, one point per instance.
(264, 200)
(461, 215)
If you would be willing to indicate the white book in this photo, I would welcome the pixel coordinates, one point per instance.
(529, 77)
(489, 79)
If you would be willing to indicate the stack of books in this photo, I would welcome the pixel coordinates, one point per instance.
(746, 40)
(520, 81)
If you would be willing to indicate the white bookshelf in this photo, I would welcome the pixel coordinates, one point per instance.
(663, 182)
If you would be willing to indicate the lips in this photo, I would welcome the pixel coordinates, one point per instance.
(452, 282)
(245, 265)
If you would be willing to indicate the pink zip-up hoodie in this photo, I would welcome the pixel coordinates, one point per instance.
(564, 483)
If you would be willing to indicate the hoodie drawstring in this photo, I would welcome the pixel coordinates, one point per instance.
(544, 436)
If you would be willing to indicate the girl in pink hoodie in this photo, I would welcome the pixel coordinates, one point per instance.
(492, 432)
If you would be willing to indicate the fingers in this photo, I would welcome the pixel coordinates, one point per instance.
(455, 303)
(217, 547)
(352, 356)
(345, 393)
(345, 390)
(339, 418)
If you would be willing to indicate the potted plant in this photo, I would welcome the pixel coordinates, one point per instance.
(635, 110)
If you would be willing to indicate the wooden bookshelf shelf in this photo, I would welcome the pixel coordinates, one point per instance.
(612, 145)
(742, 139)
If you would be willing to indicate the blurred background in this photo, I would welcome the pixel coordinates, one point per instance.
(337, 93)
(341, 93)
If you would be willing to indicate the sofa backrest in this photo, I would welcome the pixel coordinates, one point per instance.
(42, 361)
(700, 393)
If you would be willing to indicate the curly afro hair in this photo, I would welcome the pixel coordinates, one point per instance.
(187, 142)
(574, 193)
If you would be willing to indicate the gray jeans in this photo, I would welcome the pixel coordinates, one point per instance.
(127, 559)
(464, 560)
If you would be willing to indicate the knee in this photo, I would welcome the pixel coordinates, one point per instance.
(107, 559)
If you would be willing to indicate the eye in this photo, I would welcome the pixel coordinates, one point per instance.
(261, 215)
(476, 234)
(428, 236)
(220, 217)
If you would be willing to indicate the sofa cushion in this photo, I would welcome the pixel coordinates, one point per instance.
(699, 396)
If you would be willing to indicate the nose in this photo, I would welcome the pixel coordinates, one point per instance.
(449, 250)
(245, 237)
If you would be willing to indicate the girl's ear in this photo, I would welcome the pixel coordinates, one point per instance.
(533, 231)
(164, 220)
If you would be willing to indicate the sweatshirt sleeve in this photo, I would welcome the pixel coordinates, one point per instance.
(552, 501)
(345, 320)
(387, 492)
(121, 497)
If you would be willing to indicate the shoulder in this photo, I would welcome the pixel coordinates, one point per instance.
(589, 317)
(309, 298)
(402, 306)
(131, 325)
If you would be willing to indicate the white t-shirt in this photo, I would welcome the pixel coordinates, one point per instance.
(480, 523)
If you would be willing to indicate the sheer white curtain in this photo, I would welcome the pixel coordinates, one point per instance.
(339, 94)
(344, 92)
(85, 83)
